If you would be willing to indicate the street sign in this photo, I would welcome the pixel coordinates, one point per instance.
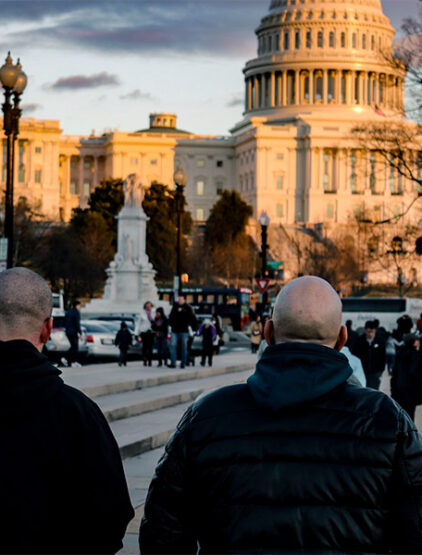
(262, 284)
(275, 264)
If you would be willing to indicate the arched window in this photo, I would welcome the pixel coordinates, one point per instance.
(332, 39)
(343, 40)
(354, 40)
(270, 43)
(308, 39)
(297, 40)
(277, 42)
(364, 42)
(320, 39)
(372, 42)
(286, 40)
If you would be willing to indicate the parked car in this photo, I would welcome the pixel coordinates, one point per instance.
(58, 344)
(100, 339)
(135, 350)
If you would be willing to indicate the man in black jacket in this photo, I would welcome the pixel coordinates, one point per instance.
(297, 460)
(180, 320)
(72, 324)
(62, 489)
(370, 348)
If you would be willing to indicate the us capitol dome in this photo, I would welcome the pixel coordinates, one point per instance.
(322, 55)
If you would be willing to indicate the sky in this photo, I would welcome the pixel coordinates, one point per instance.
(106, 65)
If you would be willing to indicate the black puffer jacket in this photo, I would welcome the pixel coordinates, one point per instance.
(294, 461)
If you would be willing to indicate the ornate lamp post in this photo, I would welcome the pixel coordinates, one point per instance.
(264, 221)
(180, 180)
(14, 81)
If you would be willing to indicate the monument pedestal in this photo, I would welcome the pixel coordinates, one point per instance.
(130, 276)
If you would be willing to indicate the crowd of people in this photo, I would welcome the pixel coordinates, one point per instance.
(297, 459)
(171, 337)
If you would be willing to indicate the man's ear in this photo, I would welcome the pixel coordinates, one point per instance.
(341, 339)
(46, 330)
(269, 332)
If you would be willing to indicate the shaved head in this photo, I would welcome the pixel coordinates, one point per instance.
(25, 305)
(309, 310)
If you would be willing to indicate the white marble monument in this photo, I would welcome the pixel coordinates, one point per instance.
(130, 282)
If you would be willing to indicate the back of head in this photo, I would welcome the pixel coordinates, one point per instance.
(25, 303)
(308, 310)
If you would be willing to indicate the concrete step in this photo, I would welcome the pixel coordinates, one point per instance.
(147, 399)
(109, 379)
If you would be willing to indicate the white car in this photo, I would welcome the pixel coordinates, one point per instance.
(100, 339)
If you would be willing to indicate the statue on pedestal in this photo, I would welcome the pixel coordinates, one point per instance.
(134, 192)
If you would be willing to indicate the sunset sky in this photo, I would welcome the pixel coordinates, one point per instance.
(103, 64)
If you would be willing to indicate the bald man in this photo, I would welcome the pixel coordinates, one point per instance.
(297, 460)
(62, 486)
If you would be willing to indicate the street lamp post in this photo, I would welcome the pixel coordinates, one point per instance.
(14, 82)
(264, 221)
(180, 180)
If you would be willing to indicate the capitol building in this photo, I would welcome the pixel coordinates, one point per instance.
(321, 70)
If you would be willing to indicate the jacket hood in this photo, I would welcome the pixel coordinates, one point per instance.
(289, 374)
(27, 378)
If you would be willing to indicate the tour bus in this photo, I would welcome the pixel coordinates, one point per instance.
(232, 305)
(385, 309)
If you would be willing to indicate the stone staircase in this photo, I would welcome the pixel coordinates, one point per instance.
(143, 406)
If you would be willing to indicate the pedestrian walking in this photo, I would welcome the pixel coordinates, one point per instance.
(371, 352)
(160, 328)
(352, 336)
(391, 346)
(123, 341)
(296, 460)
(144, 330)
(181, 318)
(406, 379)
(63, 488)
(73, 332)
(218, 341)
(208, 333)
(256, 334)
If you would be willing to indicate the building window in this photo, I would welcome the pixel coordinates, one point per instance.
(220, 163)
(270, 43)
(279, 210)
(200, 163)
(326, 176)
(372, 176)
(220, 187)
(280, 156)
(21, 175)
(286, 40)
(280, 182)
(133, 160)
(200, 187)
(343, 40)
(277, 42)
(332, 40)
(37, 176)
(87, 164)
(38, 150)
(372, 42)
(330, 211)
(86, 188)
(392, 176)
(320, 39)
(73, 163)
(353, 173)
(356, 211)
(200, 214)
(354, 40)
(252, 180)
(364, 42)
(72, 188)
(308, 39)
(153, 162)
(297, 40)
